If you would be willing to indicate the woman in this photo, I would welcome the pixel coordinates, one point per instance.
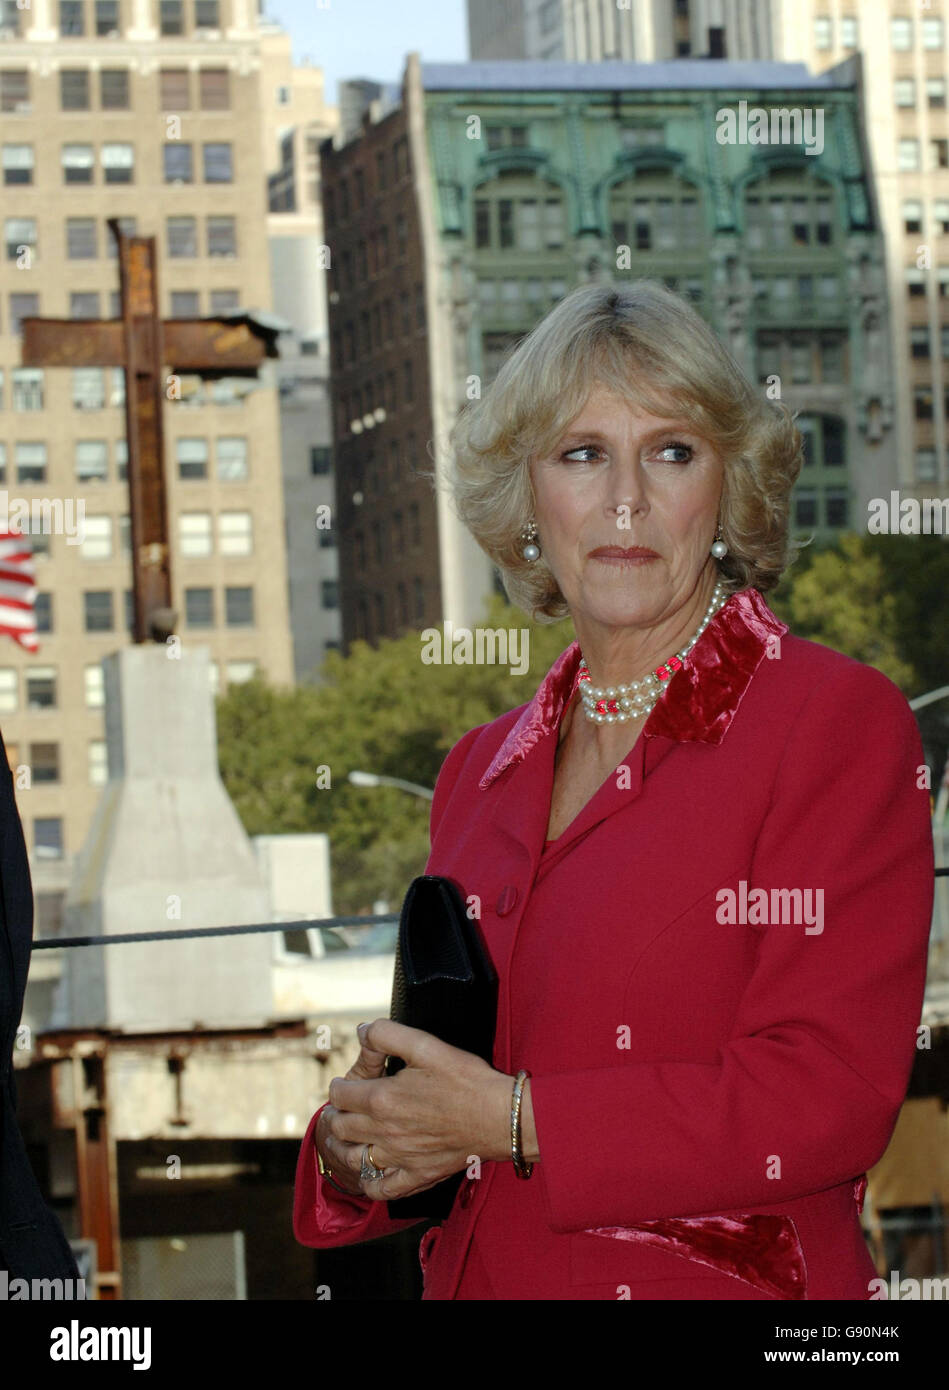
(701, 855)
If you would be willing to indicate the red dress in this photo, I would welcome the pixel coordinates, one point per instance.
(714, 975)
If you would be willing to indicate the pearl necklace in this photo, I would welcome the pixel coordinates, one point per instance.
(616, 704)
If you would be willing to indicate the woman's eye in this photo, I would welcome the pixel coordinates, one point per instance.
(581, 449)
(683, 448)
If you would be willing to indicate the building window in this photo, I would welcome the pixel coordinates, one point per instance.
(848, 32)
(199, 607)
(98, 762)
(43, 612)
(939, 154)
(179, 161)
(15, 90)
(192, 455)
(923, 402)
(94, 686)
(525, 222)
(92, 460)
(22, 306)
(17, 164)
(194, 534)
(84, 304)
(171, 13)
(96, 544)
(222, 236)
(30, 457)
(47, 837)
(78, 162)
(222, 301)
(912, 215)
(74, 89)
(932, 33)
(9, 690)
(19, 233)
(28, 388)
(907, 154)
(836, 502)
(114, 89)
(107, 18)
(206, 15)
(926, 465)
(330, 593)
(904, 91)
(915, 282)
(805, 507)
(182, 235)
(41, 687)
(98, 610)
(81, 239)
(936, 93)
(214, 89)
(919, 341)
(235, 533)
(175, 89)
(118, 163)
(185, 304)
(44, 762)
(239, 606)
(231, 458)
(88, 388)
(218, 166)
(321, 459)
(71, 19)
(901, 34)
(823, 32)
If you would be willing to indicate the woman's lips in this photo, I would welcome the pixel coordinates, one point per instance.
(618, 555)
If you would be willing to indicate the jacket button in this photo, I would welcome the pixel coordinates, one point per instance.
(506, 900)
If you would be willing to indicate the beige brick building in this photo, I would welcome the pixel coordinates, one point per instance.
(150, 111)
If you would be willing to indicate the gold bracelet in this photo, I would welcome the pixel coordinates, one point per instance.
(522, 1169)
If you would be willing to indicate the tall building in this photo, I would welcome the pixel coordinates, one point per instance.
(640, 31)
(462, 213)
(904, 50)
(296, 122)
(150, 113)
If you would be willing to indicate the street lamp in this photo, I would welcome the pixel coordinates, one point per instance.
(378, 779)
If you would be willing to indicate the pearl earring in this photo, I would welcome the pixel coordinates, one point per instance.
(530, 550)
(718, 546)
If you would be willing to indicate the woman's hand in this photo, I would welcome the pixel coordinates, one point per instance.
(427, 1122)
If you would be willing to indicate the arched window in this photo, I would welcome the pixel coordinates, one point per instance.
(518, 211)
(789, 209)
(656, 211)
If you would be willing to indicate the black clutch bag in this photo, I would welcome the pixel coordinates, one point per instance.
(446, 984)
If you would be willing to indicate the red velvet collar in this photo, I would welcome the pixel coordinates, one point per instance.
(700, 701)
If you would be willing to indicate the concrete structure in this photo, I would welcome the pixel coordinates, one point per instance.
(165, 850)
(159, 124)
(462, 213)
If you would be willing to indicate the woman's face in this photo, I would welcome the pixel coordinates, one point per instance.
(618, 480)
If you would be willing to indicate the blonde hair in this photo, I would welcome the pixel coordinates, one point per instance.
(650, 346)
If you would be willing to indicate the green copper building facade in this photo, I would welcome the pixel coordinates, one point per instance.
(744, 186)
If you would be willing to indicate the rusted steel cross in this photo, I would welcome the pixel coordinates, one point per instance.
(150, 350)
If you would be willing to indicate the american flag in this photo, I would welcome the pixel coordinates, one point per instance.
(17, 589)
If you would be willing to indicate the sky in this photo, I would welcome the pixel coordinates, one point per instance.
(370, 38)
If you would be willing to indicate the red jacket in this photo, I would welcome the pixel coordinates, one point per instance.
(709, 1089)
